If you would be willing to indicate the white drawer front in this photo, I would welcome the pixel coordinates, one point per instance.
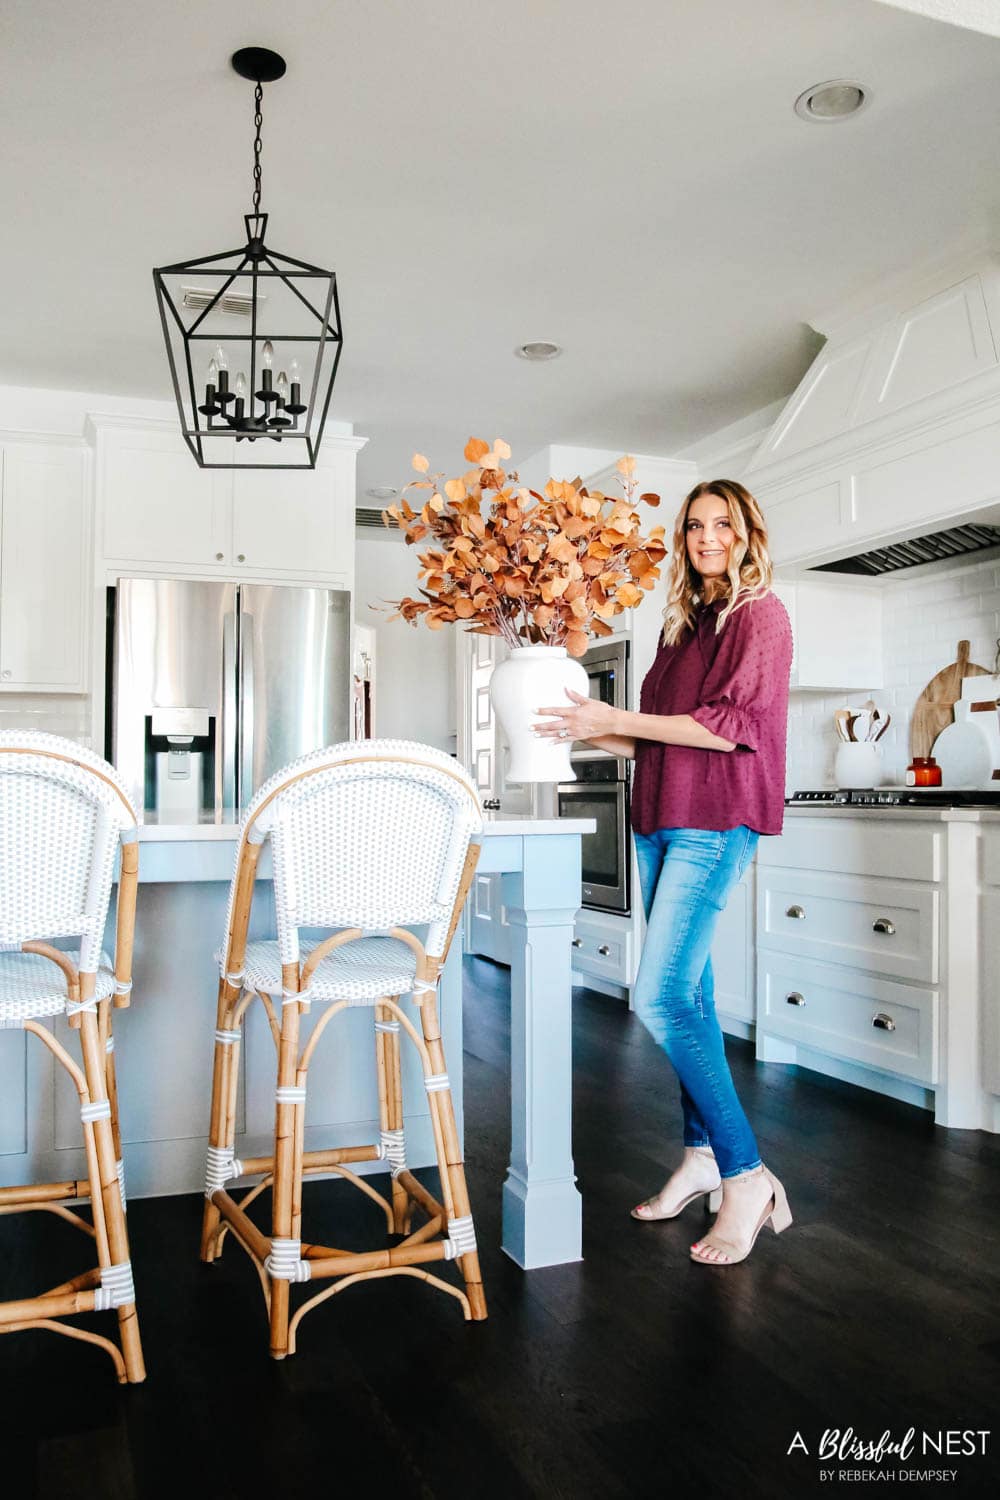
(858, 846)
(867, 1020)
(601, 948)
(888, 926)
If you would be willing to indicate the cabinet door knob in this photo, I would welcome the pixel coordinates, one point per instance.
(604, 950)
(795, 998)
(883, 1022)
(5, 674)
(241, 557)
(795, 911)
(882, 924)
(218, 557)
(578, 942)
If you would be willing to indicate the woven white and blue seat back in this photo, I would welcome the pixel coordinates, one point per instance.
(62, 812)
(371, 834)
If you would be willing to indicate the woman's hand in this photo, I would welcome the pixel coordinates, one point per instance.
(584, 719)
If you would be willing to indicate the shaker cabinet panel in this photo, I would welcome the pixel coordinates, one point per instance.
(885, 926)
(43, 569)
(296, 521)
(837, 635)
(159, 507)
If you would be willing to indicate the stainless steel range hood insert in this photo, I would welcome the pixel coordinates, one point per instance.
(939, 546)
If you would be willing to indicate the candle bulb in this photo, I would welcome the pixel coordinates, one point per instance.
(282, 387)
(221, 364)
(294, 402)
(241, 390)
(266, 364)
(209, 409)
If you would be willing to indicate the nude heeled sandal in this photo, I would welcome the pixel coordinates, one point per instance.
(714, 1196)
(776, 1213)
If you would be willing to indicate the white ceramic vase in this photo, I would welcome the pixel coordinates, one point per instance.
(531, 678)
(857, 765)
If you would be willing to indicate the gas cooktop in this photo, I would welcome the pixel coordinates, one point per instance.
(894, 796)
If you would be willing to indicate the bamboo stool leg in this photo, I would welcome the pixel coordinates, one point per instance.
(111, 1084)
(107, 1189)
(225, 1075)
(390, 1104)
(452, 1167)
(286, 1199)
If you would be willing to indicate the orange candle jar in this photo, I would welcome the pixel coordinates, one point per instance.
(923, 771)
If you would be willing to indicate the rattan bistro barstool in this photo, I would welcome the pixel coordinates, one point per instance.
(370, 838)
(63, 814)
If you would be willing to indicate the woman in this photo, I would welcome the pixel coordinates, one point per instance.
(709, 748)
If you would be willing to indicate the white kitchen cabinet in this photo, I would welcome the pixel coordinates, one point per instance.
(602, 947)
(837, 634)
(43, 568)
(733, 951)
(158, 509)
(284, 521)
(989, 958)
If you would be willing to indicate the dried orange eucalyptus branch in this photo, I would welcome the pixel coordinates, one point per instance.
(537, 569)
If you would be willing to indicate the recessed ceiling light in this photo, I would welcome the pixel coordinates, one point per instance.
(837, 99)
(382, 491)
(538, 350)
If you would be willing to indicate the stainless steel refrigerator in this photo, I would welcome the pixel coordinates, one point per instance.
(214, 686)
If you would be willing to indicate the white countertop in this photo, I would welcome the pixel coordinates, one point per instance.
(164, 830)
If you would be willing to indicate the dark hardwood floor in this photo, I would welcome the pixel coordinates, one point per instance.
(633, 1373)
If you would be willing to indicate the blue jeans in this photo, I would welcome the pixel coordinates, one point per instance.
(686, 875)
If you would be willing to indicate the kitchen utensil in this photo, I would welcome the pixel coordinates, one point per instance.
(841, 721)
(862, 726)
(883, 726)
(964, 752)
(934, 709)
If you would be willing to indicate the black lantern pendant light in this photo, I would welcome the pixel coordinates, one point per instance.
(271, 319)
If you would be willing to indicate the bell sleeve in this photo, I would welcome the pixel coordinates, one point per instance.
(749, 676)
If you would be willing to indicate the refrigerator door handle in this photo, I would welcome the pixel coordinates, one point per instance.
(244, 759)
(225, 778)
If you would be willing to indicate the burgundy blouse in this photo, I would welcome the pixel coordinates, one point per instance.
(736, 684)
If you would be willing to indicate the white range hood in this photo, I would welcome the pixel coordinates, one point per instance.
(894, 432)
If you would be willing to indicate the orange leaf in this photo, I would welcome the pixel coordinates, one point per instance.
(420, 463)
(455, 490)
(626, 465)
(474, 450)
(576, 642)
(501, 449)
(650, 498)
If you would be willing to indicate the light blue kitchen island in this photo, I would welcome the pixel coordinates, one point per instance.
(164, 1041)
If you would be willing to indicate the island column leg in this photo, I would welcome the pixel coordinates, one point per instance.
(542, 1207)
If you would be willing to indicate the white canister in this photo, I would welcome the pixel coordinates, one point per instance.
(857, 765)
(531, 678)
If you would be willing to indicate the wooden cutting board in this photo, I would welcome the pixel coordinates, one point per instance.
(935, 706)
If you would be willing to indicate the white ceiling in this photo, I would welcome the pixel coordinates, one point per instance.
(628, 180)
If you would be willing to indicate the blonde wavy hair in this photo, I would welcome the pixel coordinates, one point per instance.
(748, 576)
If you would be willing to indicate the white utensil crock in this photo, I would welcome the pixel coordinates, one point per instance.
(856, 765)
(531, 678)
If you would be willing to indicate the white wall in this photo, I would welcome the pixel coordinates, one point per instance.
(924, 619)
(414, 667)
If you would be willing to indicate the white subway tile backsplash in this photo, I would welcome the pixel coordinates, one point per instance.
(924, 619)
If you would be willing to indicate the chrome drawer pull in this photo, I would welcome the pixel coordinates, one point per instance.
(882, 924)
(795, 911)
(883, 1023)
(578, 942)
(795, 998)
(604, 950)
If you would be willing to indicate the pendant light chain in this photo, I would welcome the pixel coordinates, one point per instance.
(258, 120)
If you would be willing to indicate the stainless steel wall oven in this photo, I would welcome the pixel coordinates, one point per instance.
(601, 790)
